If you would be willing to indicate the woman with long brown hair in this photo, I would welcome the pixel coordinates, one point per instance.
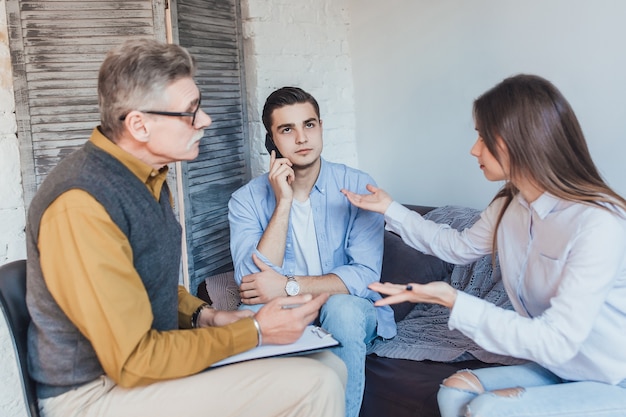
(559, 232)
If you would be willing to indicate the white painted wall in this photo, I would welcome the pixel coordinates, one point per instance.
(419, 64)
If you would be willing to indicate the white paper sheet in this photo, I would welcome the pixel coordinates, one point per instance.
(313, 338)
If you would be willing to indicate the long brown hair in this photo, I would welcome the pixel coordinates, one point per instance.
(544, 140)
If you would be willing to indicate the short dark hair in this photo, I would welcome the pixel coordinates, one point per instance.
(285, 96)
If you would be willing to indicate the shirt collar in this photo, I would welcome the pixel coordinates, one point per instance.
(151, 177)
(142, 170)
(544, 205)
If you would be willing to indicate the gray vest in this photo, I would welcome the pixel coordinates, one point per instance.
(60, 357)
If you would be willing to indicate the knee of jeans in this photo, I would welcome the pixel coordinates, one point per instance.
(348, 307)
(484, 404)
(464, 380)
(348, 312)
(514, 392)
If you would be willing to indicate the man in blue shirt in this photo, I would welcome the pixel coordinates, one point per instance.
(294, 232)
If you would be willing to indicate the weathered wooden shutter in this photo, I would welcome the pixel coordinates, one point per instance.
(56, 50)
(210, 29)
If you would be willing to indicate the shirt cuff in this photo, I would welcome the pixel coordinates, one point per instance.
(467, 313)
(187, 305)
(244, 335)
(395, 215)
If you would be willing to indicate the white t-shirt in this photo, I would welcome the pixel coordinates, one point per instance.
(305, 242)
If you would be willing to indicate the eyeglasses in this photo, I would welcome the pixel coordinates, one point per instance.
(173, 113)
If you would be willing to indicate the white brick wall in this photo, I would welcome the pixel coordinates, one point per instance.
(286, 42)
(12, 218)
(12, 243)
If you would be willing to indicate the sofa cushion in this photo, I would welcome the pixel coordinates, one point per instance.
(221, 291)
(403, 264)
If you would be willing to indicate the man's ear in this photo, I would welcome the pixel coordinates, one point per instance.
(320, 122)
(136, 125)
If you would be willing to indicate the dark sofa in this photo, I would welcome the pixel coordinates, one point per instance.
(400, 387)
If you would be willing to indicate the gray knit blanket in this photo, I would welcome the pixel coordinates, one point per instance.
(423, 334)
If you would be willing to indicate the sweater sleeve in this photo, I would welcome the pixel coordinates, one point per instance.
(92, 278)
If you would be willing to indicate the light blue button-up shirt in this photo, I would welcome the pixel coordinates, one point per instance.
(350, 240)
(564, 269)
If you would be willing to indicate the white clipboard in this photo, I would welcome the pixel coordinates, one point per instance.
(313, 338)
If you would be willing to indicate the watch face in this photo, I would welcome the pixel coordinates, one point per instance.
(292, 287)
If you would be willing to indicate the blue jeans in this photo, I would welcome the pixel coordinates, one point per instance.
(352, 321)
(542, 394)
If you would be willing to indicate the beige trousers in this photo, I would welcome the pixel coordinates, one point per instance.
(311, 385)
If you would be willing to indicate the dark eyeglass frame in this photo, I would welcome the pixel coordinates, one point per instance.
(174, 113)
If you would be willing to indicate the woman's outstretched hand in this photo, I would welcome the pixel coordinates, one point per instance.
(436, 292)
(377, 201)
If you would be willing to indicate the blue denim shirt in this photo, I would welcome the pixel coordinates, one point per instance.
(350, 240)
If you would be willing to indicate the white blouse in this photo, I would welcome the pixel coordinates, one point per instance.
(564, 268)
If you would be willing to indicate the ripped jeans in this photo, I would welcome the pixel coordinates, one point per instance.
(539, 393)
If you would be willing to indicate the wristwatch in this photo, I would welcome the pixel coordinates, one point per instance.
(292, 287)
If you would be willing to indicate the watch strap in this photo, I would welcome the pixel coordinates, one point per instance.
(196, 315)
